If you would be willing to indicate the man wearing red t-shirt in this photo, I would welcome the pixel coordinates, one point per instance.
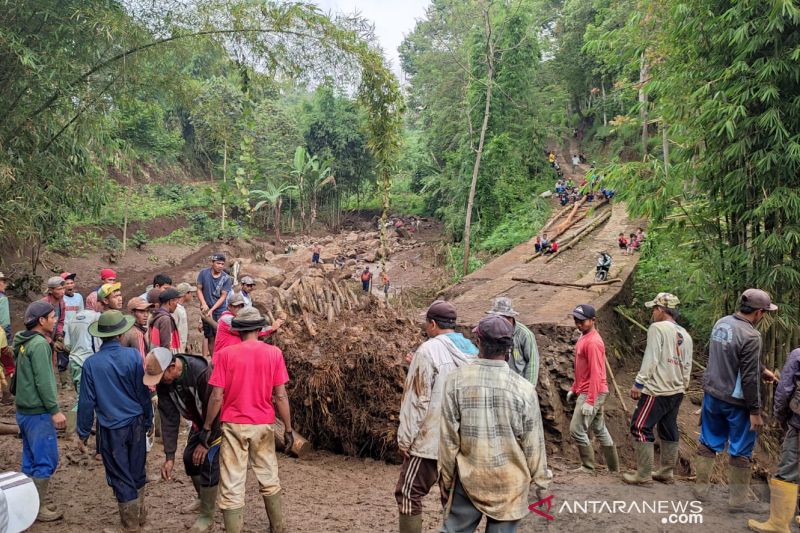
(590, 390)
(244, 378)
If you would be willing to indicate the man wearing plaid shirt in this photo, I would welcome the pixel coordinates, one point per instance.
(491, 443)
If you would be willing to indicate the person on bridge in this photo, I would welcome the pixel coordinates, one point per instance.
(589, 392)
(783, 486)
(659, 387)
(524, 359)
(731, 412)
(421, 410)
(491, 446)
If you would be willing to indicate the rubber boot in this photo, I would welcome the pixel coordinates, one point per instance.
(703, 466)
(410, 523)
(782, 502)
(612, 458)
(72, 422)
(272, 504)
(644, 465)
(587, 458)
(208, 504)
(193, 507)
(142, 511)
(65, 380)
(233, 520)
(739, 487)
(46, 513)
(128, 516)
(669, 458)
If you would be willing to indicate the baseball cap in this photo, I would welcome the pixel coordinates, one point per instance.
(218, 257)
(664, 299)
(247, 280)
(502, 306)
(107, 273)
(167, 295)
(55, 281)
(138, 304)
(156, 362)
(35, 311)
(494, 327)
(68, 275)
(442, 311)
(107, 290)
(184, 287)
(236, 299)
(584, 312)
(758, 299)
(3, 276)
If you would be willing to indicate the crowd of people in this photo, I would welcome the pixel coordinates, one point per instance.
(132, 371)
(469, 418)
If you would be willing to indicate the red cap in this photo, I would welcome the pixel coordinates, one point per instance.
(68, 275)
(107, 273)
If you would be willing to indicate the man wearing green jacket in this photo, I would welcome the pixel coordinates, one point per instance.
(38, 414)
(524, 359)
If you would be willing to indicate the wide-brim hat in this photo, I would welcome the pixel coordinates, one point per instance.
(248, 319)
(502, 306)
(110, 324)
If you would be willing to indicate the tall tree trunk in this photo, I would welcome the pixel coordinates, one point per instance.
(603, 92)
(643, 70)
(224, 179)
(276, 214)
(487, 107)
(665, 146)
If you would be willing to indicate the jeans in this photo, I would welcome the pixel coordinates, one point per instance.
(39, 445)
(124, 456)
(580, 425)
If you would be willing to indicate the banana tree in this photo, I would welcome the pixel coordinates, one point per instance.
(312, 176)
(272, 195)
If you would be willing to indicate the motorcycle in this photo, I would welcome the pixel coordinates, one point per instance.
(603, 266)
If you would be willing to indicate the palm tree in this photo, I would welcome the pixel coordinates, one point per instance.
(272, 195)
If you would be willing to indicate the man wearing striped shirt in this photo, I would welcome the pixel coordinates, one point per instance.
(524, 358)
(660, 385)
(491, 442)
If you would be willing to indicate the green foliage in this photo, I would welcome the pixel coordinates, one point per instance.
(139, 239)
(516, 227)
(112, 244)
(455, 259)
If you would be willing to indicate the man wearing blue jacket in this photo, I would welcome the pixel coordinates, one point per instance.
(783, 486)
(112, 387)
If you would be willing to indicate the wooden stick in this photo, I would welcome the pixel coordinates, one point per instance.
(301, 446)
(567, 284)
(640, 326)
(589, 229)
(616, 388)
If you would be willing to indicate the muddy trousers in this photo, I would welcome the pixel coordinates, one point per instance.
(208, 470)
(417, 476)
(464, 517)
(580, 425)
(790, 456)
(124, 456)
(660, 411)
(39, 445)
(243, 443)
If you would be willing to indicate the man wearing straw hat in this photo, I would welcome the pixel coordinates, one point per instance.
(244, 379)
(112, 387)
(181, 383)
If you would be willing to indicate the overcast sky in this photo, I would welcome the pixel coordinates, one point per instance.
(393, 19)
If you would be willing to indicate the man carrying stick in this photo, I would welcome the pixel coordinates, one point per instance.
(660, 385)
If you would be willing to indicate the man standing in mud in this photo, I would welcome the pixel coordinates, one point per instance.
(589, 392)
(659, 388)
(492, 441)
(420, 411)
(213, 286)
(731, 412)
(245, 378)
(107, 276)
(181, 383)
(163, 331)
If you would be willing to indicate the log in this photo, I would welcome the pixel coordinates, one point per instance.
(567, 284)
(616, 388)
(555, 217)
(560, 232)
(9, 429)
(581, 234)
(301, 446)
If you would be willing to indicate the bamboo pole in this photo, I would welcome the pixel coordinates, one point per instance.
(582, 233)
(568, 284)
(616, 388)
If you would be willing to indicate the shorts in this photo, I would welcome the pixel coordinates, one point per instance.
(209, 331)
